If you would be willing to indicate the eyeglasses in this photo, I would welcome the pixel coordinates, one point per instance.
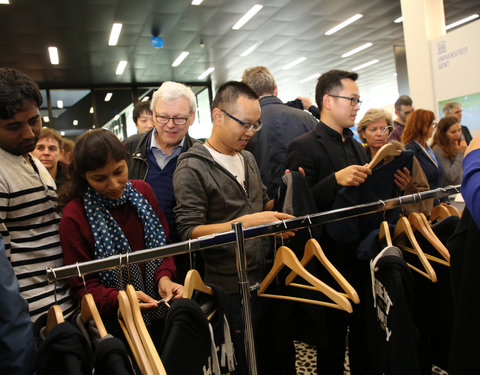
(353, 101)
(247, 126)
(163, 120)
(382, 130)
(434, 124)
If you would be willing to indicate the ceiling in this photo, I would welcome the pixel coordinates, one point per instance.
(285, 29)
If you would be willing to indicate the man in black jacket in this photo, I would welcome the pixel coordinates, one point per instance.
(155, 153)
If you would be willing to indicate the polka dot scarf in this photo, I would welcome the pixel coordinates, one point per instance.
(110, 239)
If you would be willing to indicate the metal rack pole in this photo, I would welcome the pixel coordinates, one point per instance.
(224, 238)
(244, 286)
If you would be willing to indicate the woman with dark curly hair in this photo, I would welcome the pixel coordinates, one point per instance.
(418, 130)
(449, 147)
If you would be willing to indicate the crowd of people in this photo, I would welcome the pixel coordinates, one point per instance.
(61, 204)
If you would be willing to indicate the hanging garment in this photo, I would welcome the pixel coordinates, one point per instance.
(379, 185)
(111, 357)
(393, 335)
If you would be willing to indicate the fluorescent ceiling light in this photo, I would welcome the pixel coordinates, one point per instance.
(145, 98)
(46, 119)
(196, 2)
(75, 122)
(59, 103)
(121, 67)
(358, 49)
(366, 64)
(344, 24)
(206, 73)
(4, 2)
(116, 117)
(180, 58)
(53, 52)
(249, 50)
(108, 96)
(91, 110)
(115, 34)
(247, 16)
(295, 62)
(398, 20)
(462, 21)
(309, 78)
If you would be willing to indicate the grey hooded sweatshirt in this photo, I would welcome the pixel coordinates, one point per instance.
(206, 193)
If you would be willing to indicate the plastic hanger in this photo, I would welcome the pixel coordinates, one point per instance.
(420, 223)
(313, 249)
(285, 257)
(404, 228)
(387, 149)
(439, 213)
(151, 351)
(54, 315)
(88, 309)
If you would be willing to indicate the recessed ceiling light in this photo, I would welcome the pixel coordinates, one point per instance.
(295, 62)
(145, 98)
(91, 110)
(366, 64)
(115, 34)
(53, 52)
(309, 78)
(344, 24)
(75, 122)
(121, 67)
(398, 20)
(59, 103)
(62, 133)
(180, 58)
(93, 126)
(196, 2)
(46, 119)
(247, 16)
(462, 21)
(108, 96)
(358, 49)
(206, 73)
(250, 49)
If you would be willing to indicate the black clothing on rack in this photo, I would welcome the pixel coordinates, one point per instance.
(111, 358)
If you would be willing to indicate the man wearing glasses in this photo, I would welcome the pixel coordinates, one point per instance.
(155, 153)
(218, 183)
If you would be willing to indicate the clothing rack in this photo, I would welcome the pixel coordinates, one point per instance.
(238, 235)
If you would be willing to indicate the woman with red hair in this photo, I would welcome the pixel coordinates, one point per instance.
(418, 129)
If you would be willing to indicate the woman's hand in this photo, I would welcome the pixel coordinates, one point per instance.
(168, 289)
(402, 178)
(461, 145)
(146, 302)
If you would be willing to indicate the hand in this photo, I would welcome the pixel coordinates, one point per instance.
(266, 217)
(168, 289)
(307, 103)
(300, 169)
(146, 302)
(353, 175)
(402, 178)
(461, 145)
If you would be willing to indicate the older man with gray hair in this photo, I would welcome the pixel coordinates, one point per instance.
(455, 109)
(155, 153)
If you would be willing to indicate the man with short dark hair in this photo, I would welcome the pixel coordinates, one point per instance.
(455, 109)
(29, 214)
(142, 116)
(48, 150)
(403, 107)
(281, 124)
(218, 183)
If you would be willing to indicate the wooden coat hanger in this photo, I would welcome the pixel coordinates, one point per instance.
(404, 228)
(420, 223)
(54, 315)
(453, 210)
(193, 281)
(439, 213)
(385, 233)
(151, 351)
(387, 149)
(313, 249)
(286, 257)
(126, 321)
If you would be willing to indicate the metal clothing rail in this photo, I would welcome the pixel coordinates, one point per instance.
(229, 237)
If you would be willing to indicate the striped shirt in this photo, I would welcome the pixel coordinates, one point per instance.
(29, 219)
